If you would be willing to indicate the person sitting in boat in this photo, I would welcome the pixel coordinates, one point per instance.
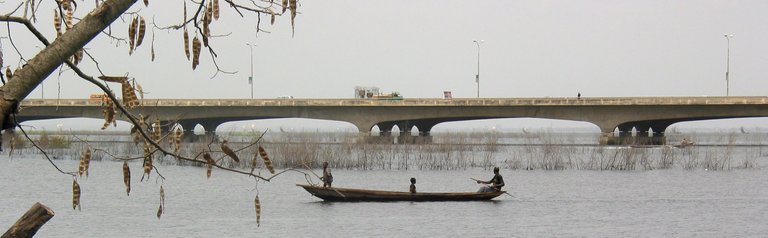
(327, 176)
(413, 185)
(496, 183)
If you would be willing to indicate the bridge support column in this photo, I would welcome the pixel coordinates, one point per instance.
(424, 133)
(646, 135)
(405, 136)
(385, 134)
(189, 131)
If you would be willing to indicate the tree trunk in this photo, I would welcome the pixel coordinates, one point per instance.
(30, 222)
(44, 63)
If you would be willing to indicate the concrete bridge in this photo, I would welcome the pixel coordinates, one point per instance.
(623, 113)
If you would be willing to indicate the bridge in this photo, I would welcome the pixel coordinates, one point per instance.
(644, 114)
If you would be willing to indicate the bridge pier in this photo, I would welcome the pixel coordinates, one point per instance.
(645, 136)
(405, 137)
(209, 128)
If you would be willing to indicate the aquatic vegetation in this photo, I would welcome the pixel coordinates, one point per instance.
(447, 151)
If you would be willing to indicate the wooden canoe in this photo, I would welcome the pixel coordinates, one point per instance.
(363, 195)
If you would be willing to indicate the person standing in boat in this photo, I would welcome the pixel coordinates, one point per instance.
(327, 176)
(413, 185)
(496, 183)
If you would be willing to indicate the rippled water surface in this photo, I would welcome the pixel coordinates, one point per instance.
(671, 202)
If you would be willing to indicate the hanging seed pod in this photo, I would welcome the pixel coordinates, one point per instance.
(114, 79)
(77, 57)
(85, 161)
(186, 43)
(205, 40)
(292, 5)
(254, 162)
(208, 158)
(285, 6)
(108, 110)
(162, 196)
(87, 158)
(75, 195)
(271, 16)
(162, 202)
(208, 17)
(129, 95)
(135, 135)
(229, 152)
(177, 140)
(207, 25)
(8, 73)
(257, 203)
(267, 162)
(216, 9)
(57, 22)
(68, 22)
(81, 168)
(127, 178)
(141, 31)
(157, 132)
(147, 160)
(209, 161)
(146, 3)
(65, 4)
(195, 52)
(152, 52)
(132, 34)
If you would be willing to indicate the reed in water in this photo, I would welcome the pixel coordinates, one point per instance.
(446, 151)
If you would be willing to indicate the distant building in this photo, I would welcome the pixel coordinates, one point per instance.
(366, 92)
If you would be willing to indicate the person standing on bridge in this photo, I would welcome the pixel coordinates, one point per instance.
(327, 176)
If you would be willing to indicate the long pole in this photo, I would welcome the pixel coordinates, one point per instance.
(477, 76)
(250, 79)
(728, 66)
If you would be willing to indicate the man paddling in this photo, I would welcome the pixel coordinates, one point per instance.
(496, 183)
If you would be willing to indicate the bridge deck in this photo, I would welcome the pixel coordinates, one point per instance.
(554, 101)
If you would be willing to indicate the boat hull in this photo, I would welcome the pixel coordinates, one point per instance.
(364, 195)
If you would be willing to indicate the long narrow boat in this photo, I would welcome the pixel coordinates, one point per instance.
(361, 195)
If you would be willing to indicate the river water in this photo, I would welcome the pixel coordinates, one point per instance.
(672, 202)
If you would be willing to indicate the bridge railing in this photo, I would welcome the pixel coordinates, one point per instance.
(547, 101)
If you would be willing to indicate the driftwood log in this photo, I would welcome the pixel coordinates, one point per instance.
(30, 222)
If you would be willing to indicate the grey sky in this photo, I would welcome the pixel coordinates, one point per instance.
(420, 48)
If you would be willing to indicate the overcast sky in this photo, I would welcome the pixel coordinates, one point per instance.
(421, 48)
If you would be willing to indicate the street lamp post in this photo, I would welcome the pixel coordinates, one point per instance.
(477, 76)
(250, 79)
(728, 65)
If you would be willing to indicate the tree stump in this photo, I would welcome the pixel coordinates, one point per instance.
(30, 222)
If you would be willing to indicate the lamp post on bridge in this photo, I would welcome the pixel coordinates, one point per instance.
(250, 79)
(728, 65)
(477, 76)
